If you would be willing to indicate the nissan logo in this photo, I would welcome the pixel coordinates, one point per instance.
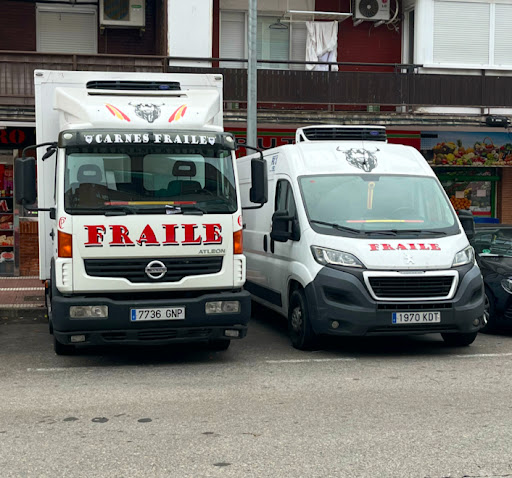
(155, 270)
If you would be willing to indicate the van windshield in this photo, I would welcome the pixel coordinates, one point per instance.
(357, 205)
(149, 179)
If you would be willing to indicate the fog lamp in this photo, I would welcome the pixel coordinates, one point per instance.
(232, 333)
(476, 322)
(77, 338)
(335, 324)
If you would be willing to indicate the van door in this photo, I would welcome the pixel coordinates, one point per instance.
(282, 253)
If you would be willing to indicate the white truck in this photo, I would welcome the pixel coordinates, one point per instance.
(140, 221)
(360, 239)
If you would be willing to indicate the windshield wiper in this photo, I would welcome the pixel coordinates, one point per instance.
(395, 232)
(338, 227)
(193, 209)
(111, 211)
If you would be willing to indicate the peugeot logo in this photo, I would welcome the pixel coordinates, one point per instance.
(408, 259)
(155, 270)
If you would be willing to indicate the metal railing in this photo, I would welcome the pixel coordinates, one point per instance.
(397, 87)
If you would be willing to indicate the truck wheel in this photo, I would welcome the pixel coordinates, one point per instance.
(299, 325)
(62, 349)
(460, 340)
(219, 345)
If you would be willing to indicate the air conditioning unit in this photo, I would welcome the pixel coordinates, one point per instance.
(123, 13)
(371, 10)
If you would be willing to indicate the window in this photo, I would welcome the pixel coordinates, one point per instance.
(276, 40)
(66, 29)
(472, 33)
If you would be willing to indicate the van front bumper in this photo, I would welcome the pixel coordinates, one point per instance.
(118, 328)
(341, 296)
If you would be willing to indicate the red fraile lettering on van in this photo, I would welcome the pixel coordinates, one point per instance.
(405, 247)
(121, 235)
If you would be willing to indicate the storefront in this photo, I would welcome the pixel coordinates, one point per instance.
(18, 228)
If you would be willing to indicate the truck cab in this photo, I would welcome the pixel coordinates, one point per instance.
(140, 215)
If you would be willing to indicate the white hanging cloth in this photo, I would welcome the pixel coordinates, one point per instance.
(322, 44)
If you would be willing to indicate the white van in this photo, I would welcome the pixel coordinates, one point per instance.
(359, 238)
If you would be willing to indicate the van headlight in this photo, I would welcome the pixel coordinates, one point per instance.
(507, 285)
(466, 256)
(338, 258)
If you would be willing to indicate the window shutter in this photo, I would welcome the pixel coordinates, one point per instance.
(461, 33)
(232, 39)
(298, 53)
(66, 31)
(502, 35)
(273, 44)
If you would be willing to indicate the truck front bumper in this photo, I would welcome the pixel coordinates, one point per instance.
(118, 328)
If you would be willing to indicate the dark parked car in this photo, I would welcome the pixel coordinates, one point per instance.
(493, 247)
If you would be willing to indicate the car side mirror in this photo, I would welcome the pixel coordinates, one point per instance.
(25, 181)
(468, 223)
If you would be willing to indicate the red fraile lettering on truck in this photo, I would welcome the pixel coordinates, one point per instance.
(121, 235)
(95, 236)
(212, 232)
(405, 247)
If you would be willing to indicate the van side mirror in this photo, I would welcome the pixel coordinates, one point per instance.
(25, 181)
(259, 187)
(468, 223)
(284, 227)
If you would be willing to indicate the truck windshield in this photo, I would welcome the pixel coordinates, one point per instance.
(387, 205)
(149, 179)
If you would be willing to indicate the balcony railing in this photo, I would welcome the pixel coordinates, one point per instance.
(396, 87)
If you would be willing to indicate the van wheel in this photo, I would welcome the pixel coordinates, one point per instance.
(219, 345)
(459, 340)
(299, 324)
(62, 349)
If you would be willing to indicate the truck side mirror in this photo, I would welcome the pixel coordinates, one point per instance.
(259, 187)
(468, 223)
(25, 181)
(281, 230)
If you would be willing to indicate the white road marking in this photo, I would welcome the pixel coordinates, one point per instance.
(311, 360)
(507, 354)
(13, 289)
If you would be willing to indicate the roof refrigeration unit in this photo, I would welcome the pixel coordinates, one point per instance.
(371, 10)
(122, 13)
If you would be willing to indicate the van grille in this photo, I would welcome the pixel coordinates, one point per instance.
(411, 287)
(134, 269)
(345, 134)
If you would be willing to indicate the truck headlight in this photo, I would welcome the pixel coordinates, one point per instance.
(222, 307)
(338, 258)
(466, 256)
(88, 312)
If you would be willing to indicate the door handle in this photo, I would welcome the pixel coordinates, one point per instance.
(265, 243)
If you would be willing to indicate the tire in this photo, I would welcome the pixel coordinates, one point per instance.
(299, 324)
(459, 340)
(219, 345)
(489, 313)
(62, 349)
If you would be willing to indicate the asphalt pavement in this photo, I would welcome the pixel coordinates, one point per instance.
(380, 407)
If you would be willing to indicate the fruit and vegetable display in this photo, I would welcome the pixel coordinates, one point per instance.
(460, 203)
(483, 153)
(6, 240)
(6, 256)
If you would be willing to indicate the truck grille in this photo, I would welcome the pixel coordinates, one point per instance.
(134, 269)
(411, 287)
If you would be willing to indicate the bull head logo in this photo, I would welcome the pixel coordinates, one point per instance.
(88, 138)
(361, 158)
(147, 111)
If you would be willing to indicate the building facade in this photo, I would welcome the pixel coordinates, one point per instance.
(436, 73)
